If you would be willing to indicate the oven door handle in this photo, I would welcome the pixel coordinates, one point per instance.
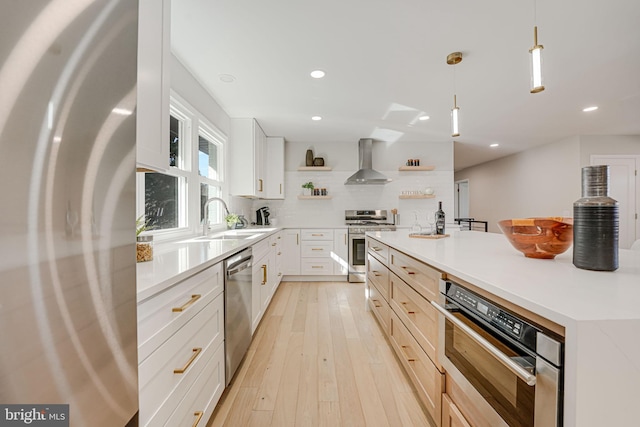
(518, 370)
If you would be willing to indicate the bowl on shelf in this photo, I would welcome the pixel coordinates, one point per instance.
(542, 237)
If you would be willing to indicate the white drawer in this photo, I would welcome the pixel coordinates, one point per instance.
(317, 234)
(156, 319)
(319, 249)
(161, 389)
(316, 266)
(202, 397)
(260, 249)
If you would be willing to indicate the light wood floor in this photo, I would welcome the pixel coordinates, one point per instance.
(319, 359)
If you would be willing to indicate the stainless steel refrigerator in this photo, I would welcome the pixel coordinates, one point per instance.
(67, 209)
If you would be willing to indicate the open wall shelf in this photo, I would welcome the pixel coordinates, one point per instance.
(416, 168)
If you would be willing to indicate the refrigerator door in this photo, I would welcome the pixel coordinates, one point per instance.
(67, 217)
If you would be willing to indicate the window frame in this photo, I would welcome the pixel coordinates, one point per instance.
(194, 125)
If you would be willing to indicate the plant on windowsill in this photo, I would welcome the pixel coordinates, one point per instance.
(144, 244)
(307, 188)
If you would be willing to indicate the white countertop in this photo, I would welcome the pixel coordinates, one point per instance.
(176, 260)
(555, 288)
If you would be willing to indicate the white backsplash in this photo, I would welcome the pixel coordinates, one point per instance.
(293, 212)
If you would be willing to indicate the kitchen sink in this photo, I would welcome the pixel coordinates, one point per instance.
(241, 234)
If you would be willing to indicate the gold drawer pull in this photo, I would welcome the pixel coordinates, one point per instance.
(376, 303)
(316, 266)
(375, 248)
(408, 271)
(260, 180)
(376, 273)
(198, 416)
(317, 235)
(264, 274)
(316, 249)
(406, 353)
(404, 305)
(273, 244)
(193, 299)
(279, 253)
(196, 352)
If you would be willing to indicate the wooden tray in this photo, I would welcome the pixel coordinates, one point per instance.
(428, 236)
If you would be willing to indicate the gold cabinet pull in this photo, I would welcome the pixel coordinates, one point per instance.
(408, 271)
(404, 305)
(375, 248)
(260, 181)
(317, 235)
(316, 249)
(198, 416)
(193, 299)
(264, 274)
(273, 244)
(297, 239)
(376, 303)
(406, 353)
(316, 266)
(280, 188)
(196, 352)
(345, 239)
(376, 273)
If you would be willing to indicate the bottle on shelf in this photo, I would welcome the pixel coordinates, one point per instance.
(439, 219)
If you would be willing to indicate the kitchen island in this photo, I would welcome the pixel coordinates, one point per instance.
(600, 312)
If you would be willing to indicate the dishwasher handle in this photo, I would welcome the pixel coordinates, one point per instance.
(240, 265)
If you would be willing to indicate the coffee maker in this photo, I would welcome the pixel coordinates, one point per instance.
(262, 216)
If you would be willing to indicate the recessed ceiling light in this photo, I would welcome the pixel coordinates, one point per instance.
(494, 145)
(317, 74)
(226, 78)
(586, 110)
(423, 118)
(316, 118)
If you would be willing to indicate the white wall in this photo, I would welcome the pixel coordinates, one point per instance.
(343, 158)
(543, 181)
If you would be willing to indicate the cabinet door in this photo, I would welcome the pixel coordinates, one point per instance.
(257, 283)
(246, 158)
(340, 252)
(451, 415)
(260, 149)
(275, 168)
(291, 252)
(277, 250)
(152, 110)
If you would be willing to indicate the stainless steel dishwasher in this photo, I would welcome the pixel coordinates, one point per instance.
(237, 310)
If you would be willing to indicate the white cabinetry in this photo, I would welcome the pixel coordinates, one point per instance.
(291, 251)
(315, 252)
(276, 246)
(181, 349)
(265, 277)
(247, 159)
(275, 168)
(340, 254)
(152, 110)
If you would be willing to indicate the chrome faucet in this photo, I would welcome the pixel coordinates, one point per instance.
(205, 221)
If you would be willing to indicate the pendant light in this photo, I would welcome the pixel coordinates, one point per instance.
(453, 59)
(536, 58)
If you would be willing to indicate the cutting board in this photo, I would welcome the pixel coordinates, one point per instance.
(428, 236)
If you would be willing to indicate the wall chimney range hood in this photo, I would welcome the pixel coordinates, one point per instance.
(366, 175)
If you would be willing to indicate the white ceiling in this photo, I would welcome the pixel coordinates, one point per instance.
(386, 64)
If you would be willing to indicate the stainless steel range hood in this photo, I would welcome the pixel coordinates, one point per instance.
(366, 175)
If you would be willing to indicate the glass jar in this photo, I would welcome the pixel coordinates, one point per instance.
(144, 248)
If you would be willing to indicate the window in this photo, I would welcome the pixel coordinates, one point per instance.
(210, 145)
(171, 198)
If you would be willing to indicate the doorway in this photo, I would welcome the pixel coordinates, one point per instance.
(623, 187)
(461, 199)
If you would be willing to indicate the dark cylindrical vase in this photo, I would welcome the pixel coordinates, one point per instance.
(595, 223)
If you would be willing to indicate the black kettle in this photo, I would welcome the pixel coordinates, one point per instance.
(262, 216)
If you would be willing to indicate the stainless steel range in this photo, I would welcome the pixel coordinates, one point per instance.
(359, 222)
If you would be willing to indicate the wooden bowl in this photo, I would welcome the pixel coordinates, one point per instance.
(539, 237)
